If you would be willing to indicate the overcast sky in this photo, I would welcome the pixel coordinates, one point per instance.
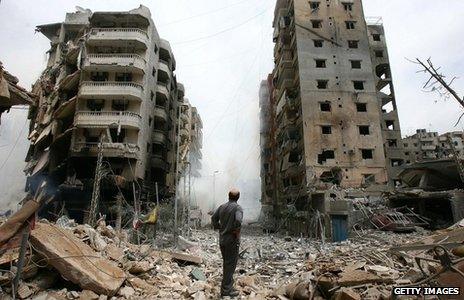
(224, 49)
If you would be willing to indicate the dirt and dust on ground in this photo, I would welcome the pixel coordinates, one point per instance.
(65, 260)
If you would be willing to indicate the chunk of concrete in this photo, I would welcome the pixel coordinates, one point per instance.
(76, 261)
(357, 277)
(187, 258)
(347, 294)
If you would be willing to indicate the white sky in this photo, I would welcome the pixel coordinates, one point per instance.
(232, 53)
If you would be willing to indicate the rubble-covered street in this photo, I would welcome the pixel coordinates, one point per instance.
(70, 261)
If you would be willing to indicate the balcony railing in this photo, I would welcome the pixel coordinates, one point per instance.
(110, 89)
(108, 118)
(114, 60)
(162, 88)
(159, 137)
(118, 34)
(160, 112)
(109, 149)
(157, 161)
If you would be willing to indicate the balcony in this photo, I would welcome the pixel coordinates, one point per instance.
(129, 37)
(184, 132)
(162, 91)
(160, 113)
(181, 90)
(158, 162)
(428, 147)
(185, 117)
(89, 119)
(128, 150)
(111, 90)
(114, 62)
(383, 83)
(159, 137)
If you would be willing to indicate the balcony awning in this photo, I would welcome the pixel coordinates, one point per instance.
(66, 109)
(42, 163)
(45, 133)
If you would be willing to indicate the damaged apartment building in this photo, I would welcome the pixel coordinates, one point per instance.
(109, 91)
(432, 178)
(328, 110)
(11, 93)
(424, 145)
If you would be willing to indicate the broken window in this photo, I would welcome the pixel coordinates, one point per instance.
(318, 43)
(117, 136)
(390, 124)
(392, 143)
(347, 6)
(356, 64)
(320, 63)
(405, 145)
(316, 23)
(99, 76)
(91, 137)
(350, 24)
(314, 5)
(367, 153)
(364, 130)
(325, 106)
(294, 157)
(376, 37)
(406, 153)
(369, 178)
(325, 155)
(120, 105)
(361, 107)
(358, 85)
(153, 72)
(353, 44)
(322, 84)
(95, 104)
(396, 162)
(378, 53)
(388, 107)
(326, 129)
(123, 77)
(415, 145)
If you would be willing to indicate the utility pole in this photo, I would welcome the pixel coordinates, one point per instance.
(96, 185)
(176, 200)
(189, 197)
(214, 187)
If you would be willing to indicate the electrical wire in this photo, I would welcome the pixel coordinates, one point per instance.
(14, 145)
(203, 14)
(222, 31)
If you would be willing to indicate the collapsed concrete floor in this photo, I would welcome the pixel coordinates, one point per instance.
(70, 261)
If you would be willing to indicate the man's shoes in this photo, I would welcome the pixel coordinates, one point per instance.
(232, 293)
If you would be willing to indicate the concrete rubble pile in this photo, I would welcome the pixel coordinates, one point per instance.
(70, 261)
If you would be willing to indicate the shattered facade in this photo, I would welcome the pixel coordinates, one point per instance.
(328, 116)
(424, 145)
(11, 93)
(109, 90)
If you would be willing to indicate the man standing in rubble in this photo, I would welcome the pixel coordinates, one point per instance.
(228, 219)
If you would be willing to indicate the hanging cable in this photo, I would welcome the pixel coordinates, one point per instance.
(204, 14)
(222, 31)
